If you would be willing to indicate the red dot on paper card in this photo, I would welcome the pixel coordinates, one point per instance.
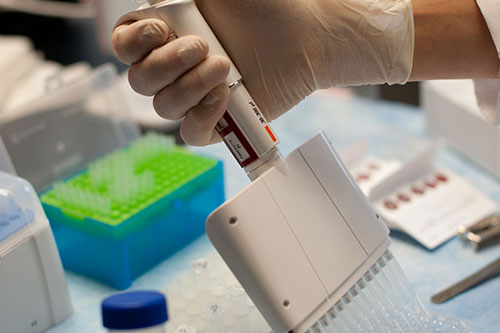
(373, 166)
(363, 176)
(442, 178)
(431, 184)
(417, 190)
(390, 204)
(403, 197)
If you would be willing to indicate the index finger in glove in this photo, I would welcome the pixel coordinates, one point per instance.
(134, 40)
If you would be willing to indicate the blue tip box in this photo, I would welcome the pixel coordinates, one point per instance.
(108, 236)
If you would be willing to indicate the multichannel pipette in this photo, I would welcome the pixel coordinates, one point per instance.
(302, 239)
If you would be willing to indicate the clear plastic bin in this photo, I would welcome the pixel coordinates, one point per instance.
(77, 121)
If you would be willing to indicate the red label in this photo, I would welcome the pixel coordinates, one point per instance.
(271, 134)
(236, 141)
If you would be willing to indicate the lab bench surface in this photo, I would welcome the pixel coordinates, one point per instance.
(389, 129)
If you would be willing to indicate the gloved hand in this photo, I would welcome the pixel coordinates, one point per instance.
(284, 49)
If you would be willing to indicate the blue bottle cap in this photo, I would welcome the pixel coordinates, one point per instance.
(134, 309)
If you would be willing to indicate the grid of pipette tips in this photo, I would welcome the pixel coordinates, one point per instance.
(123, 183)
(383, 301)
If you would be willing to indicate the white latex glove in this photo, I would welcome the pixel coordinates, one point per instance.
(285, 50)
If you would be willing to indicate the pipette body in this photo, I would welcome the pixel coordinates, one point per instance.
(243, 127)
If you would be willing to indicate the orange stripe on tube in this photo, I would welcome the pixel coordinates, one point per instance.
(271, 134)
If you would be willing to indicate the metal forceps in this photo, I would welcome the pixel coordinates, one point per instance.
(482, 233)
(488, 272)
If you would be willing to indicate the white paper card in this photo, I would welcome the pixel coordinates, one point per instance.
(431, 208)
(371, 171)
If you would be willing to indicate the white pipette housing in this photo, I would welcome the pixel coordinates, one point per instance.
(297, 242)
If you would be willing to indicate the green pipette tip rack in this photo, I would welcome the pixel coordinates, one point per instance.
(133, 208)
(120, 185)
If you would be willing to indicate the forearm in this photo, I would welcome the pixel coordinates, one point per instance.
(452, 41)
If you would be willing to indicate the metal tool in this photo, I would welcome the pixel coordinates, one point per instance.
(483, 233)
(490, 271)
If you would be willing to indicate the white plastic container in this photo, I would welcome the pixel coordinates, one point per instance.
(33, 291)
(75, 123)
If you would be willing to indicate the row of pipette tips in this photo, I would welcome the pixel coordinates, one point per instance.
(78, 197)
(383, 301)
(117, 174)
(128, 162)
(149, 147)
